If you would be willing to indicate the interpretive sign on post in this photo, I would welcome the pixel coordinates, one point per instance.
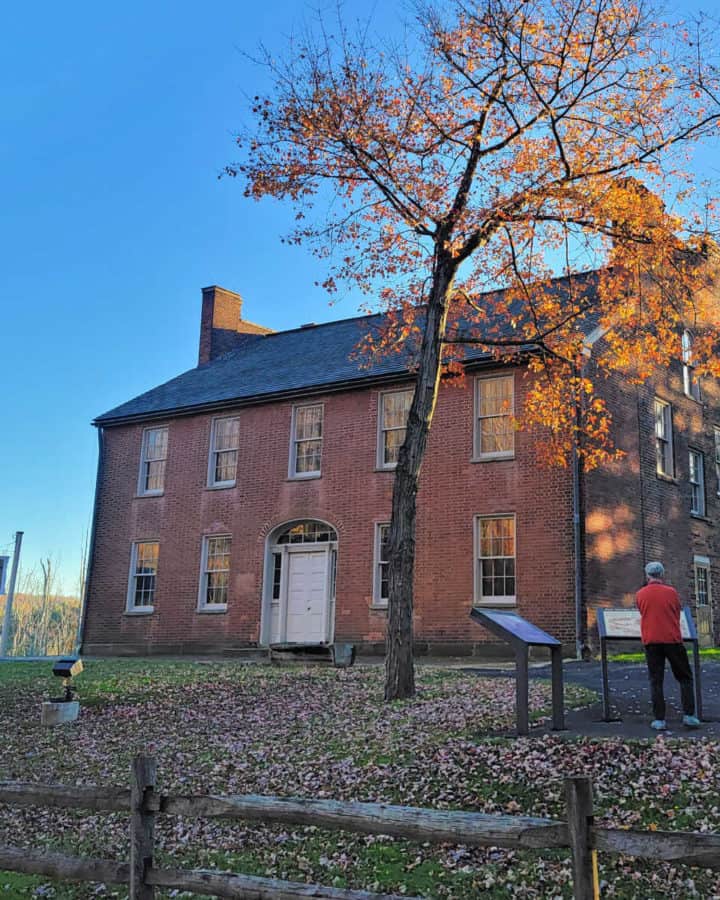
(521, 635)
(624, 625)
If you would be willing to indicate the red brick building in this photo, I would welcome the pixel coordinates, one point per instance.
(245, 502)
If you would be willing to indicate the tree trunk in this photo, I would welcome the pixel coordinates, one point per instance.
(399, 668)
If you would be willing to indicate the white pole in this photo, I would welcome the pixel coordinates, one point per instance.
(7, 618)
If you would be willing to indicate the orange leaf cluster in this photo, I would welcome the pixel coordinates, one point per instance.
(506, 172)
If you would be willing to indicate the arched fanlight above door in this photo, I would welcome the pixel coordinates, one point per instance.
(309, 532)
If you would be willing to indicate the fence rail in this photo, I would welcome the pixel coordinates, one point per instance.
(143, 803)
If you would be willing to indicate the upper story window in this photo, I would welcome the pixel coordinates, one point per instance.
(215, 572)
(495, 563)
(664, 438)
(143, 574)
(716, 432)
(494, 407)
(224, 443)
(691, 383)
(306, 442)
(394, 409)
(381, 591)
(697, 483)
(153, 457)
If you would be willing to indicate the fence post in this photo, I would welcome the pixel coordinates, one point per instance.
(142, 826)
(579, 807)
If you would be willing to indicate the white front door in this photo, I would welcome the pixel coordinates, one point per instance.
(308, 585)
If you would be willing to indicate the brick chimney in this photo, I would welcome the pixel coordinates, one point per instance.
(221, 324)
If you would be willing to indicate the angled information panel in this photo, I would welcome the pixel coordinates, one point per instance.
(624, 625)
(511, 625)
(521, 635)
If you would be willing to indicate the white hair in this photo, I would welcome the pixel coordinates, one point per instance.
(655, 570)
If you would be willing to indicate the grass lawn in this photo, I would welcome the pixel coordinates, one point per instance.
(705, 653)
(225, 727)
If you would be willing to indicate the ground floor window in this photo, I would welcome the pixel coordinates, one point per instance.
(495, 560)
(143, 575)
(381, 590)
(703, 597)
(215, 575)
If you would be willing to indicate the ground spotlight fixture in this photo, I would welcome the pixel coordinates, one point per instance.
(67, 669)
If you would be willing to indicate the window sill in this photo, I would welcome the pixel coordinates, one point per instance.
(701, 517)
(212, 610)
(699, 402)
(492, 457)
(145, 611)
(378, 608)
(149, 494)
(311, 476)
(225, 486)
(385, 468)
(495, 604)
(670, 479)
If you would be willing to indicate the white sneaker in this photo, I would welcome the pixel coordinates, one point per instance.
(658, 725)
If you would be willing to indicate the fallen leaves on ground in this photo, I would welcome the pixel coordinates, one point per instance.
(229, 728)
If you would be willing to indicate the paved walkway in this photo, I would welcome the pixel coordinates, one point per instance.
(629, 699)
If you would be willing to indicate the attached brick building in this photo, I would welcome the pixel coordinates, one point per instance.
(244, 503)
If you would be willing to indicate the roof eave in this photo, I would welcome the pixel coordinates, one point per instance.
(333, 387)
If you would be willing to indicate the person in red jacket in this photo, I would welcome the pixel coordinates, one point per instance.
(659, 606)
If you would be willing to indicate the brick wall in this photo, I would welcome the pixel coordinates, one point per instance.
(635, 515)
(352, 496)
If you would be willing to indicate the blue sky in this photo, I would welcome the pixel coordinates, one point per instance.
(116, 121)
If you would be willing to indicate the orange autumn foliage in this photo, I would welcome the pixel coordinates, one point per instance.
(501, 145)
(514, 142)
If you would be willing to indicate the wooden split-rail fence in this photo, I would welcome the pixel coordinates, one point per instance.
(144, 803)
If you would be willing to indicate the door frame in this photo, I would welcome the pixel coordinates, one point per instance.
(268, 604)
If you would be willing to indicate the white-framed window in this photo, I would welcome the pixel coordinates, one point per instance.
(214, 572)
(153, 456)
(381, 591)
(697, 483)
(392, 421)
(701, 568)
(691, 383)
(495, 560)
(306, 441)
(494, 407)
(143, 576)
(716, 433)
(664, 438)
(224, 443)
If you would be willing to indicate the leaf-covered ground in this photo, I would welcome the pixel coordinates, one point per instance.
(231, 728)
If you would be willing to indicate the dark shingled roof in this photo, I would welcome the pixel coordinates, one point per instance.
(276, 364)
(268, 365)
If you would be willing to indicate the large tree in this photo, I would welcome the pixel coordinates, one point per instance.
(506, 142)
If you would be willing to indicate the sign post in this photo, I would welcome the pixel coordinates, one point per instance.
(4, 566)
(7, 615)
(624, 625)
(521, 635)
